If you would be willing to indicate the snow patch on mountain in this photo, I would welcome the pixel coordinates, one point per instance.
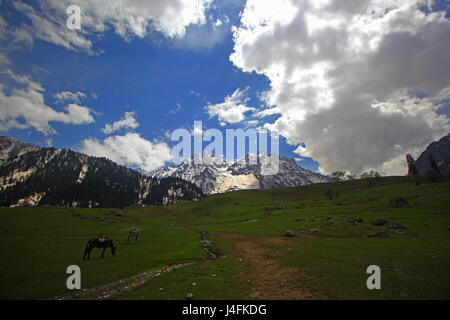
(214, 175)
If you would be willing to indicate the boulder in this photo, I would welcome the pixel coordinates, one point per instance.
(396, 225)
(289, 234)
(412, 170)
(380, 234)
(379, 222)
(398, 202)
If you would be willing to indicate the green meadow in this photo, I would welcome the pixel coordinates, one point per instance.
(326, 258)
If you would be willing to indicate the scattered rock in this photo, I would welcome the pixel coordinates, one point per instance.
(355, 220)
(380, 234)
(396, 225)
(314, 230)
(161, 289)
(328, 223)
(329, 218)
(254, 295)
(189, 296)
(379, 222)
(299, 220)
(289, 234)
(398, 202)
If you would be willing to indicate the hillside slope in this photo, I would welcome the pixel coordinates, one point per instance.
(31, 175)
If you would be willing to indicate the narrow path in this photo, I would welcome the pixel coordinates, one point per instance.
(269, 280)
(113, 289)
(116, 288)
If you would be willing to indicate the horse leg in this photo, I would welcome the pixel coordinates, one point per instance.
(86, 251)
(89, 253)
(103, 252)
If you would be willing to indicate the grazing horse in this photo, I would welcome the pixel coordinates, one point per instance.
(99, 243)
(133, 234)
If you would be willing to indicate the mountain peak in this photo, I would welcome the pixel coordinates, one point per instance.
(30, 175)
(213, 174)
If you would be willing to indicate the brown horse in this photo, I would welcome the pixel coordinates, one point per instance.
(99, 243)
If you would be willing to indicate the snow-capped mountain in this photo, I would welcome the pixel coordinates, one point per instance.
(215, 175)
(30, 175)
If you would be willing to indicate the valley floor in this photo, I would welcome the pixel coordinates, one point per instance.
(333, 242)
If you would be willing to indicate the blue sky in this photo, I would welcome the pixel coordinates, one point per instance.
(170, 73)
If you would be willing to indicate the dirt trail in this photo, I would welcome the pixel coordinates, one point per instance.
(269, 280)
(113, 289)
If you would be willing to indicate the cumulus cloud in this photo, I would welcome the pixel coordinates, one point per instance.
(24, 107)
(65, 96)
(232, 110)
(128, 18)
(204, 36)
(344, 76)
(128, 122)
(130, 149)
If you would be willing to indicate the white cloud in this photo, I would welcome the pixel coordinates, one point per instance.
(342, 78)
(204, 36)
(128, 18)
(4, 60)
(65, 96)
(25, 108)
(130, 149)
(128, 122)
(232, 110)
(177, 108)
(50, 26)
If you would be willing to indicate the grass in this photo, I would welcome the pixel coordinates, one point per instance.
(37, 244)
